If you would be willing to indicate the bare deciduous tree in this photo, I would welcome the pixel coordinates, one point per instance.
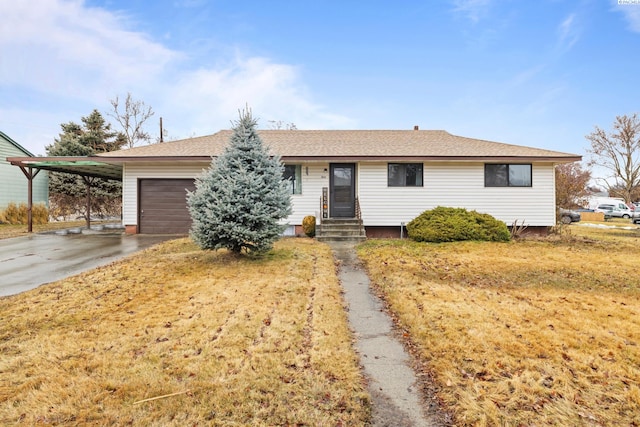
(281, 125)
(131, 118)
(618, 152)
(571, 185)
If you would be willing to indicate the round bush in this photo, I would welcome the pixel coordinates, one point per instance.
(444, 224)
(309, 225)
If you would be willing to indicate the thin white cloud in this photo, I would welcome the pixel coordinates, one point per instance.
(543, 102)
(631, 13)
(568, 32)
(474, 10)
(526, 76)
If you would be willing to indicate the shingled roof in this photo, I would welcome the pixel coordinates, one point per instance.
(348, 145)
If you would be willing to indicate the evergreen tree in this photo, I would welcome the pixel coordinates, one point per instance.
(67, 192)
(240, 199)
(98, 134)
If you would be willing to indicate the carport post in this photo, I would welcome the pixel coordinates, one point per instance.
(30, 176)
(87, 181)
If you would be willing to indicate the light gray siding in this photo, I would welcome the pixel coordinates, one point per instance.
(314, 177)
(14, 184)
(455, 185)
(445, 184)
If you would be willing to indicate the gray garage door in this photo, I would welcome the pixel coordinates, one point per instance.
(163, 206)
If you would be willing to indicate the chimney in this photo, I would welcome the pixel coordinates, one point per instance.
(416, 127)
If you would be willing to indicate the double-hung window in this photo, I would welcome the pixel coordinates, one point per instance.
(404, 175)
(293, 174)
(507, 175)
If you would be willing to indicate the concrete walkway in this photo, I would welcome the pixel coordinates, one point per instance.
(393, 385)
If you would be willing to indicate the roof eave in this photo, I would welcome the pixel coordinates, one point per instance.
(493, 159)
(186, 159)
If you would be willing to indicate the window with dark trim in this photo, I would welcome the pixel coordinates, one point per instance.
(293, 174)
(507, 175)
(404, 175)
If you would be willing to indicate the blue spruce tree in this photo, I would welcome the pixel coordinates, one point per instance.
(240, 199)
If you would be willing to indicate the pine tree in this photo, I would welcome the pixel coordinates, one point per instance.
(67, 193)
(240, 199)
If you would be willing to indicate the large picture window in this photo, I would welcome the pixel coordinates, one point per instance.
(293, 174)
(404, 175)
(507, 175)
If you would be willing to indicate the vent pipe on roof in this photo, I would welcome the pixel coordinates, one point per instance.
(416, 127)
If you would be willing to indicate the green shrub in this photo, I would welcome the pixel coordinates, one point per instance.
(444, 224)
(309, 225)
(18, 214)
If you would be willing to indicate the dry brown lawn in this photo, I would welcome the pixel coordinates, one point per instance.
(176, 336)
(527, 333)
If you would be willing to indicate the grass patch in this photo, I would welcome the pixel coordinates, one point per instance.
(533, 332)
(217, 339)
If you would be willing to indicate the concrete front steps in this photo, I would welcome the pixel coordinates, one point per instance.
(341, 230)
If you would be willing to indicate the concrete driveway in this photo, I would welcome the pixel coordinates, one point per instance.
(30, 261)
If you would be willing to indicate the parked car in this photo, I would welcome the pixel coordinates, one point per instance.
(568, 216)
(619, 211)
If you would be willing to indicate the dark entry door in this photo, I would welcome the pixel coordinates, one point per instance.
(342, 189)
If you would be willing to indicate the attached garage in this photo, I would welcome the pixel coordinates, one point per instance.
(163, 206)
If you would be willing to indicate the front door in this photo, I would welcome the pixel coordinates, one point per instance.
(342, 190)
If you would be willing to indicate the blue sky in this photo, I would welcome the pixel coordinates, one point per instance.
(537, 73)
